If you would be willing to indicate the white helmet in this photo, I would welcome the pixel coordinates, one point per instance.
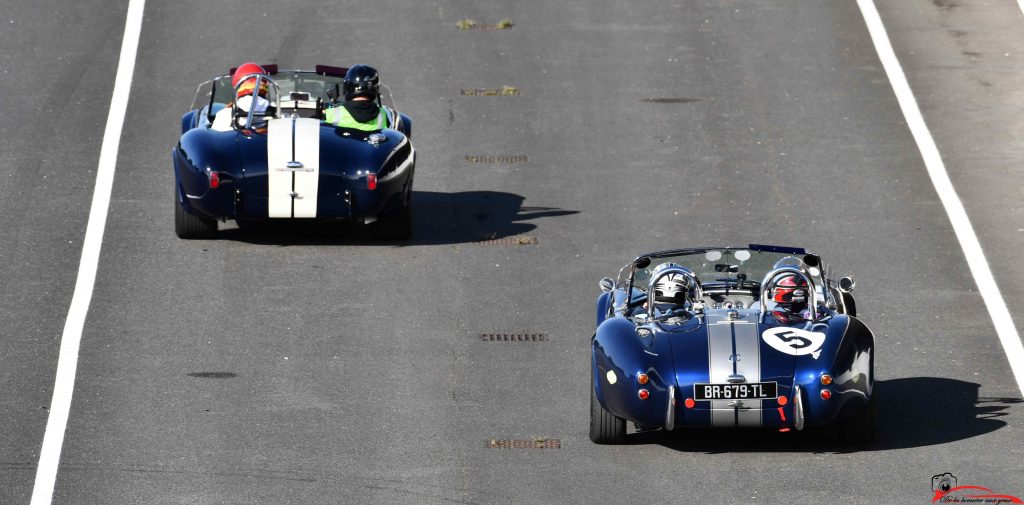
(672, 283)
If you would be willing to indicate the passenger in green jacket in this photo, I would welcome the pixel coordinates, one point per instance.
(361, 110)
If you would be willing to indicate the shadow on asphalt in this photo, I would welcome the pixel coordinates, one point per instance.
(438, 218)
(912, 412)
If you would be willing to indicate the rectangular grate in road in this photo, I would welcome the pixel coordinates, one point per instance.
(524, 443)
(471, 24)
(514, 337)
(672, 100)
(507, 159)
(502, 91)
(518, 240)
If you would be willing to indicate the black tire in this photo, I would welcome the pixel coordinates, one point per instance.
(859, 429)
(188, 226)
(396, 227)
(605, 428)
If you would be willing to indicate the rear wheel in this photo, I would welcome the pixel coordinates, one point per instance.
(188, 226)
(859, 429)
(396, 227)
(605, 428)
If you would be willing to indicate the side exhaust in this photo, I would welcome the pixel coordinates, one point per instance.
(670, 412)
(798, 408)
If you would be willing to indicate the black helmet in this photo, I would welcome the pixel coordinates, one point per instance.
(361, 80)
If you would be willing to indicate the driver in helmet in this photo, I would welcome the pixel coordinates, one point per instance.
(671, 291)
(361, 109)
(790, 296)
(244, 81)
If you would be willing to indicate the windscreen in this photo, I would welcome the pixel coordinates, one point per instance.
(721, 265)
(288, 81)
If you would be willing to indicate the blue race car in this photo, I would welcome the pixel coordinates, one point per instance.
(726, 337)
(285, 163)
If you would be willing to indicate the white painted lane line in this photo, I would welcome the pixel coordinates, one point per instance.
(980, 269)
(67, 363)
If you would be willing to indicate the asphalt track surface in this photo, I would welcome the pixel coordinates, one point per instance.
(329, 368)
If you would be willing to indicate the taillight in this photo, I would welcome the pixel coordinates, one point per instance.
(689, 403)
(826, 394)
(642, 379)
(214, 179)
(826, 379)
(643, 394)
(783, 400)
(371, 181)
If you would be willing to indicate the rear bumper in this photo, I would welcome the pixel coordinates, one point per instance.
(340, 198)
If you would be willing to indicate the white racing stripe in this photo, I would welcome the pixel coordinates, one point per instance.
(748, 364)
(290, 140)
(976, 261)
(719, 368)
(67, 361)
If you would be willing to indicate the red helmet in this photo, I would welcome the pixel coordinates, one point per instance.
(790, 289)
(247, 87)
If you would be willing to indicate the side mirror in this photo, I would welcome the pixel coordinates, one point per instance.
(846, 284)
(812, 260)
(607, 284)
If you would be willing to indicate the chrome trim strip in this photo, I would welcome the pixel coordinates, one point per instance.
(798, 408)
(670, 414)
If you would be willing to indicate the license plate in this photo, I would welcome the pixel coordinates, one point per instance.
(744, 391)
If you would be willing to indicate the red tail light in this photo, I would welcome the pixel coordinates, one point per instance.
(689, 403)
(371, 181)
(214, 179)
(783, 400)
(826, 394)
(643, 394)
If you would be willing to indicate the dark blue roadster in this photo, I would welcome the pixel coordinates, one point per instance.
(285, 163)
(727, 337)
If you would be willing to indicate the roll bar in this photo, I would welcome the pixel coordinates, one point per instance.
(259, 80)
(698, 291)
(766, 285)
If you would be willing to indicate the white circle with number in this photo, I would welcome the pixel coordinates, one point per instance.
(794, 341)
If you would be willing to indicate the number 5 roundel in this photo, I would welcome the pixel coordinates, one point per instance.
(794, 341)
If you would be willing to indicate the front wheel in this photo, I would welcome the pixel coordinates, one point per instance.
(188, 226)
(605, 428)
